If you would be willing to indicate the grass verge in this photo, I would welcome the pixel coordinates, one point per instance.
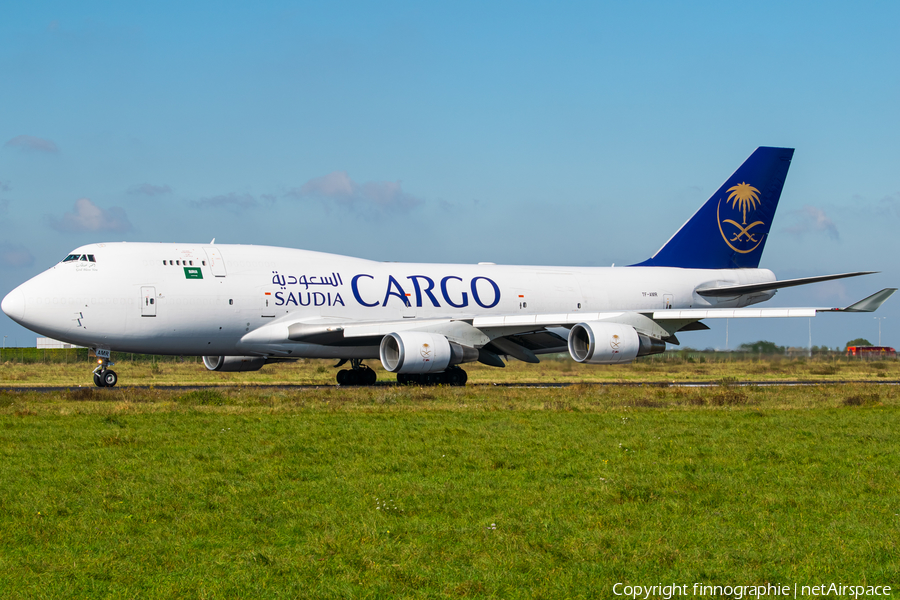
(444, 492)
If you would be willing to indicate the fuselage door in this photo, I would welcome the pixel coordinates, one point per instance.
(216, 264)
(268, 304)
(148, 301)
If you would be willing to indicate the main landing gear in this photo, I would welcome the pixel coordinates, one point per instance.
(452, 376)
(360, 374)
(357, 374)
(103, 375)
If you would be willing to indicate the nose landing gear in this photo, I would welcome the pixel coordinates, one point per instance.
(358, 374)
(103, 375)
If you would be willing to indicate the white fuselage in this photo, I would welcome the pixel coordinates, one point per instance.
(191, 299)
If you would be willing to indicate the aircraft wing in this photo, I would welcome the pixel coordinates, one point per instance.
(523, 336)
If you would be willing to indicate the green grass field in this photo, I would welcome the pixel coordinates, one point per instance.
(445, 492)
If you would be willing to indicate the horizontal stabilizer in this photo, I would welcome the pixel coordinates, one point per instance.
(752, 288)
(870, 304)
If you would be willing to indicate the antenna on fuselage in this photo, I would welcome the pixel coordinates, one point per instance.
(213, 241)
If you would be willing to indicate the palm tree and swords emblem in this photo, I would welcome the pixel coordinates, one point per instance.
(743, 197)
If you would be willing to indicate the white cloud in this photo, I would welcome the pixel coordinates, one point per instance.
(15, 255)
(148, 189)
(231, 201)
(31, 143)
(87, 216)
(339, 189)
(889, 206)
(810, 219)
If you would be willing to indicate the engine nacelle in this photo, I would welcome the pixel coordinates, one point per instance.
(598, 343)
(421, 352)
(234, 363)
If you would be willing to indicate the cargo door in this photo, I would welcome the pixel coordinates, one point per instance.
(556, 292)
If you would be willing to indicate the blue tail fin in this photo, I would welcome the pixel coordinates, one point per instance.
(730, 229)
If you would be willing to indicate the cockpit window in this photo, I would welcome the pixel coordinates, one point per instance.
(82, 257)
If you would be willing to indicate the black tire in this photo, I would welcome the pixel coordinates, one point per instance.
(353, 377)
(342, 377)
(109, 378)
(369, 377)
(98, 380)
(456, 377)
(409, 378)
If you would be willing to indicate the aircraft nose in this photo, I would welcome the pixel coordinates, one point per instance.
(14, 305)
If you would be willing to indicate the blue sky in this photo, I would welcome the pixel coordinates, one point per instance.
(525, 133)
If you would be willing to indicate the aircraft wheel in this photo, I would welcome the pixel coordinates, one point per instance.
(109, 378)
(342, 377)
(368, 377)
(98, 380)
(455, 377)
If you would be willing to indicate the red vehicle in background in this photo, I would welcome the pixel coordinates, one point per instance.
(873, 352)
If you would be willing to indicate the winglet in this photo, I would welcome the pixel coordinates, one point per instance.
(870, 304)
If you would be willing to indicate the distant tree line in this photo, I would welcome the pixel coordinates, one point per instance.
(766, 347)
(761, 347)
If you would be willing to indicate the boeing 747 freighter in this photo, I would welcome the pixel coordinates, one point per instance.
(240, 307)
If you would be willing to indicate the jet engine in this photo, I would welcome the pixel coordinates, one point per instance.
(421, 352)
(234, 363)
(600, 343)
